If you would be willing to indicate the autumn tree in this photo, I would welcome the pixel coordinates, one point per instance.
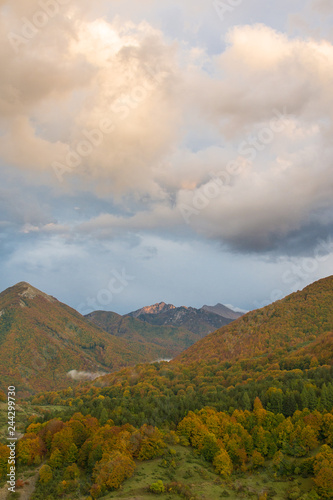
(223, 464)
(111, 471)
(323, 469)
(45, 474)
(56, 460)
(149, 443)
(30, 449)
(257, 459)
(4, 454)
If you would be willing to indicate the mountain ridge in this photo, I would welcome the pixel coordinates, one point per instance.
(43, 339)
(162, 341)
(300, 317)
(153, 309)
(223, 310)
(198, 321)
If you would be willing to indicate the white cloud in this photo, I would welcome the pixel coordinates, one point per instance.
(158, 95)
(76, 375)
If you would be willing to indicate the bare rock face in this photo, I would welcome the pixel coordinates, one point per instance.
(30, 292)
(160, 307)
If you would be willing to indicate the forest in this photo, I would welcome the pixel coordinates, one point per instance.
(84, 455)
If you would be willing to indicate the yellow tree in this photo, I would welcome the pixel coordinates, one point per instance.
(259, 411)
(45, 474)
(112, 470)
(4, 454)
(257, 459)
(323, 469)
(30, 449)
(151, 443)
(222, 463)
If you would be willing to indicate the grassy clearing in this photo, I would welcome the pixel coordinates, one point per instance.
(184, 466)
(23, 413)
(203, 482)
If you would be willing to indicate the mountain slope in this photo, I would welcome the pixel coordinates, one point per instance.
(41, 340)
(275, 330)
(197, 321)
(151, 340)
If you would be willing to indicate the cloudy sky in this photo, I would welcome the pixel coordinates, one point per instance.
(164, 150)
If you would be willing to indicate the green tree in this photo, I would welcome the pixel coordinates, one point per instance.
(246, 402)
(210, 447)
(56, 459)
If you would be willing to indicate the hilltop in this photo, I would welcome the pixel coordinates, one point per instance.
(42, 339)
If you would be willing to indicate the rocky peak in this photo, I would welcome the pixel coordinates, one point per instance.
(153, 309)
(27, 291)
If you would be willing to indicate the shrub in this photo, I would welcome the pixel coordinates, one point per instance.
(157, 487)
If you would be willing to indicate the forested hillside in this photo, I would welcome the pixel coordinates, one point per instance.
(274, 331)
(41, 340)
(260, 423)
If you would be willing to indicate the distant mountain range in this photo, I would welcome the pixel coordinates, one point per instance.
(45, 344)
(163, 330)
(199, 321)
(224, 311)
(154, 341)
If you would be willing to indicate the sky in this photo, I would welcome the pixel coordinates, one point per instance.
(166, 151)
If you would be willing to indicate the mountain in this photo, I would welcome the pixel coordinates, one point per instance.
(282, 354)
(224, 311)
(254, 398)
(162, 330)
(198, 321)
(275, 330)
(160, 307)
(41, 340)
(154, 341)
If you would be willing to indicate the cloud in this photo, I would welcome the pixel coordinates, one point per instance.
(117, 109)
(322, 6)
(100, 71)
(262, 69)
(79, 376)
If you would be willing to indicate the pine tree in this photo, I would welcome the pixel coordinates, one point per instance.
(246, 403)
(289, 404)
(325, 397)
(104, 416)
